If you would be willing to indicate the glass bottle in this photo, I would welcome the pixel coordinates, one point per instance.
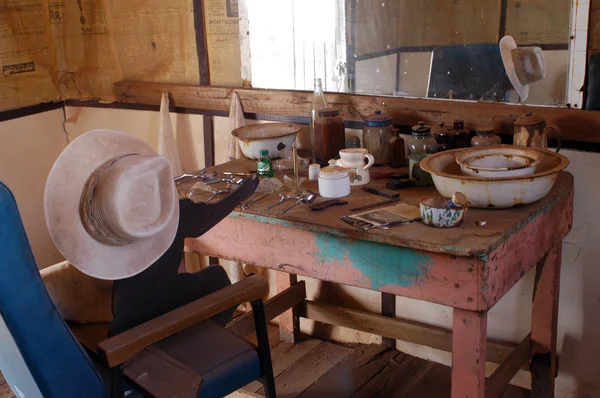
(421, 141)
(329, 135)
(441, 135)
(377, 133)
(459, 136)
(485, 137)
(318, 102)
(264, 168)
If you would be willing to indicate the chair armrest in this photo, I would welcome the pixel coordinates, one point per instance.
(124, 346)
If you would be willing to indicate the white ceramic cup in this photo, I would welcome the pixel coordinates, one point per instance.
(334, 182)
(355, 157)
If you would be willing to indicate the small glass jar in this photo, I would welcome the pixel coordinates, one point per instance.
(330, 135)
(442, 136)
(377, 133)
(421, 141)
(459, 136)
(485, 137)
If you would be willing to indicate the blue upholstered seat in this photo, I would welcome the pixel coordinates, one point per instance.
(39, 356)
(225, 361)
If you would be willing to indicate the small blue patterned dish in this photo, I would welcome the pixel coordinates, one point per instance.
(436, 212)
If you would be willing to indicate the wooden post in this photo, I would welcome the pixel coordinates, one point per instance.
(388, 308)
(289, 323)
(544, 319)
(468, 354)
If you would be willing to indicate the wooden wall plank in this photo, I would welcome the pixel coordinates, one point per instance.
(594, 27)
(577, 125)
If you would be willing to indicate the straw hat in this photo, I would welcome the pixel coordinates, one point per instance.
(111, 205)
(524, 65)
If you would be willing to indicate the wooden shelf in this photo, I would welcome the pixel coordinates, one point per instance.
(577, 125)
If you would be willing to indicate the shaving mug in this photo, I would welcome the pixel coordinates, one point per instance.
(418, 176)
(354, 160)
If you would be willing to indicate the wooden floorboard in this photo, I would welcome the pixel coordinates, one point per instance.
(284, 356)
(349, 375)
(309, 369)
(314, 368)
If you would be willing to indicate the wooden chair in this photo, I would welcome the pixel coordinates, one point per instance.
(176, 348)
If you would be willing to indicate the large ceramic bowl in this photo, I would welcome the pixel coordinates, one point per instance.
(501, 192)
(274, 137)
(498, 162)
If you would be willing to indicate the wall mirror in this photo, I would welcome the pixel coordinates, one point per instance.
(408, 48)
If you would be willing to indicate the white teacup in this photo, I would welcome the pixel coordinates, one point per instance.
(355, 157)
(354, 160)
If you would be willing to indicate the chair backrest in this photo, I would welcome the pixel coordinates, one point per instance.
(470, 71)
(39, 356)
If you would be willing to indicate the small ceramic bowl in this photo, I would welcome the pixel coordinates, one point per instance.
(435, 213)
(498, 162)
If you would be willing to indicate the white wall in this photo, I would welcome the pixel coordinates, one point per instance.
(188, 129)
(28, 148)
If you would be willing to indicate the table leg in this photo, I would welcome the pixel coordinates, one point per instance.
(469, 331)
(544, 319)
(289, 323)
(388, 308)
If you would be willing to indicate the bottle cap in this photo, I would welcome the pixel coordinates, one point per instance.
(264, 152)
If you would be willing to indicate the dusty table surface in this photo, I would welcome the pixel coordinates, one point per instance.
(468, 239)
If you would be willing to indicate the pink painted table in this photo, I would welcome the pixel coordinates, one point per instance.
(469, 268)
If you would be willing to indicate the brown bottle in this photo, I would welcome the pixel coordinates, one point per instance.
(442, 136)
(329, 135)
(459, 136)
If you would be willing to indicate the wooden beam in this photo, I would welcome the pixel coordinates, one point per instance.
(388, 308)
(469, 330)
(275, 306)
(399, 329)
(289, 323)
(498, 381)
(577, 125)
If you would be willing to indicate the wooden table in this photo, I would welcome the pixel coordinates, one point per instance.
(469, 268)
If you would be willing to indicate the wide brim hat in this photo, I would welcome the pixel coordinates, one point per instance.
(523, 65)
(507, 45)
(90, 155)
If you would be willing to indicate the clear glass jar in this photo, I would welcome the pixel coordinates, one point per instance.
(486, 136)
(377, 133)
(421, 141)
(318, 102)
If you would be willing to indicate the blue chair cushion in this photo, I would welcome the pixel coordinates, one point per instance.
(58, 364)
(225, 361)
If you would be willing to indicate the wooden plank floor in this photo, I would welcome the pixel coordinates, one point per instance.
(315, 368)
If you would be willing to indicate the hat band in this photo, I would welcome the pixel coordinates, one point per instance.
(91, 216)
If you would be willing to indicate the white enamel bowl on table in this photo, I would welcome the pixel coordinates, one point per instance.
(271, 136)
(496, 193)
(498, 162)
